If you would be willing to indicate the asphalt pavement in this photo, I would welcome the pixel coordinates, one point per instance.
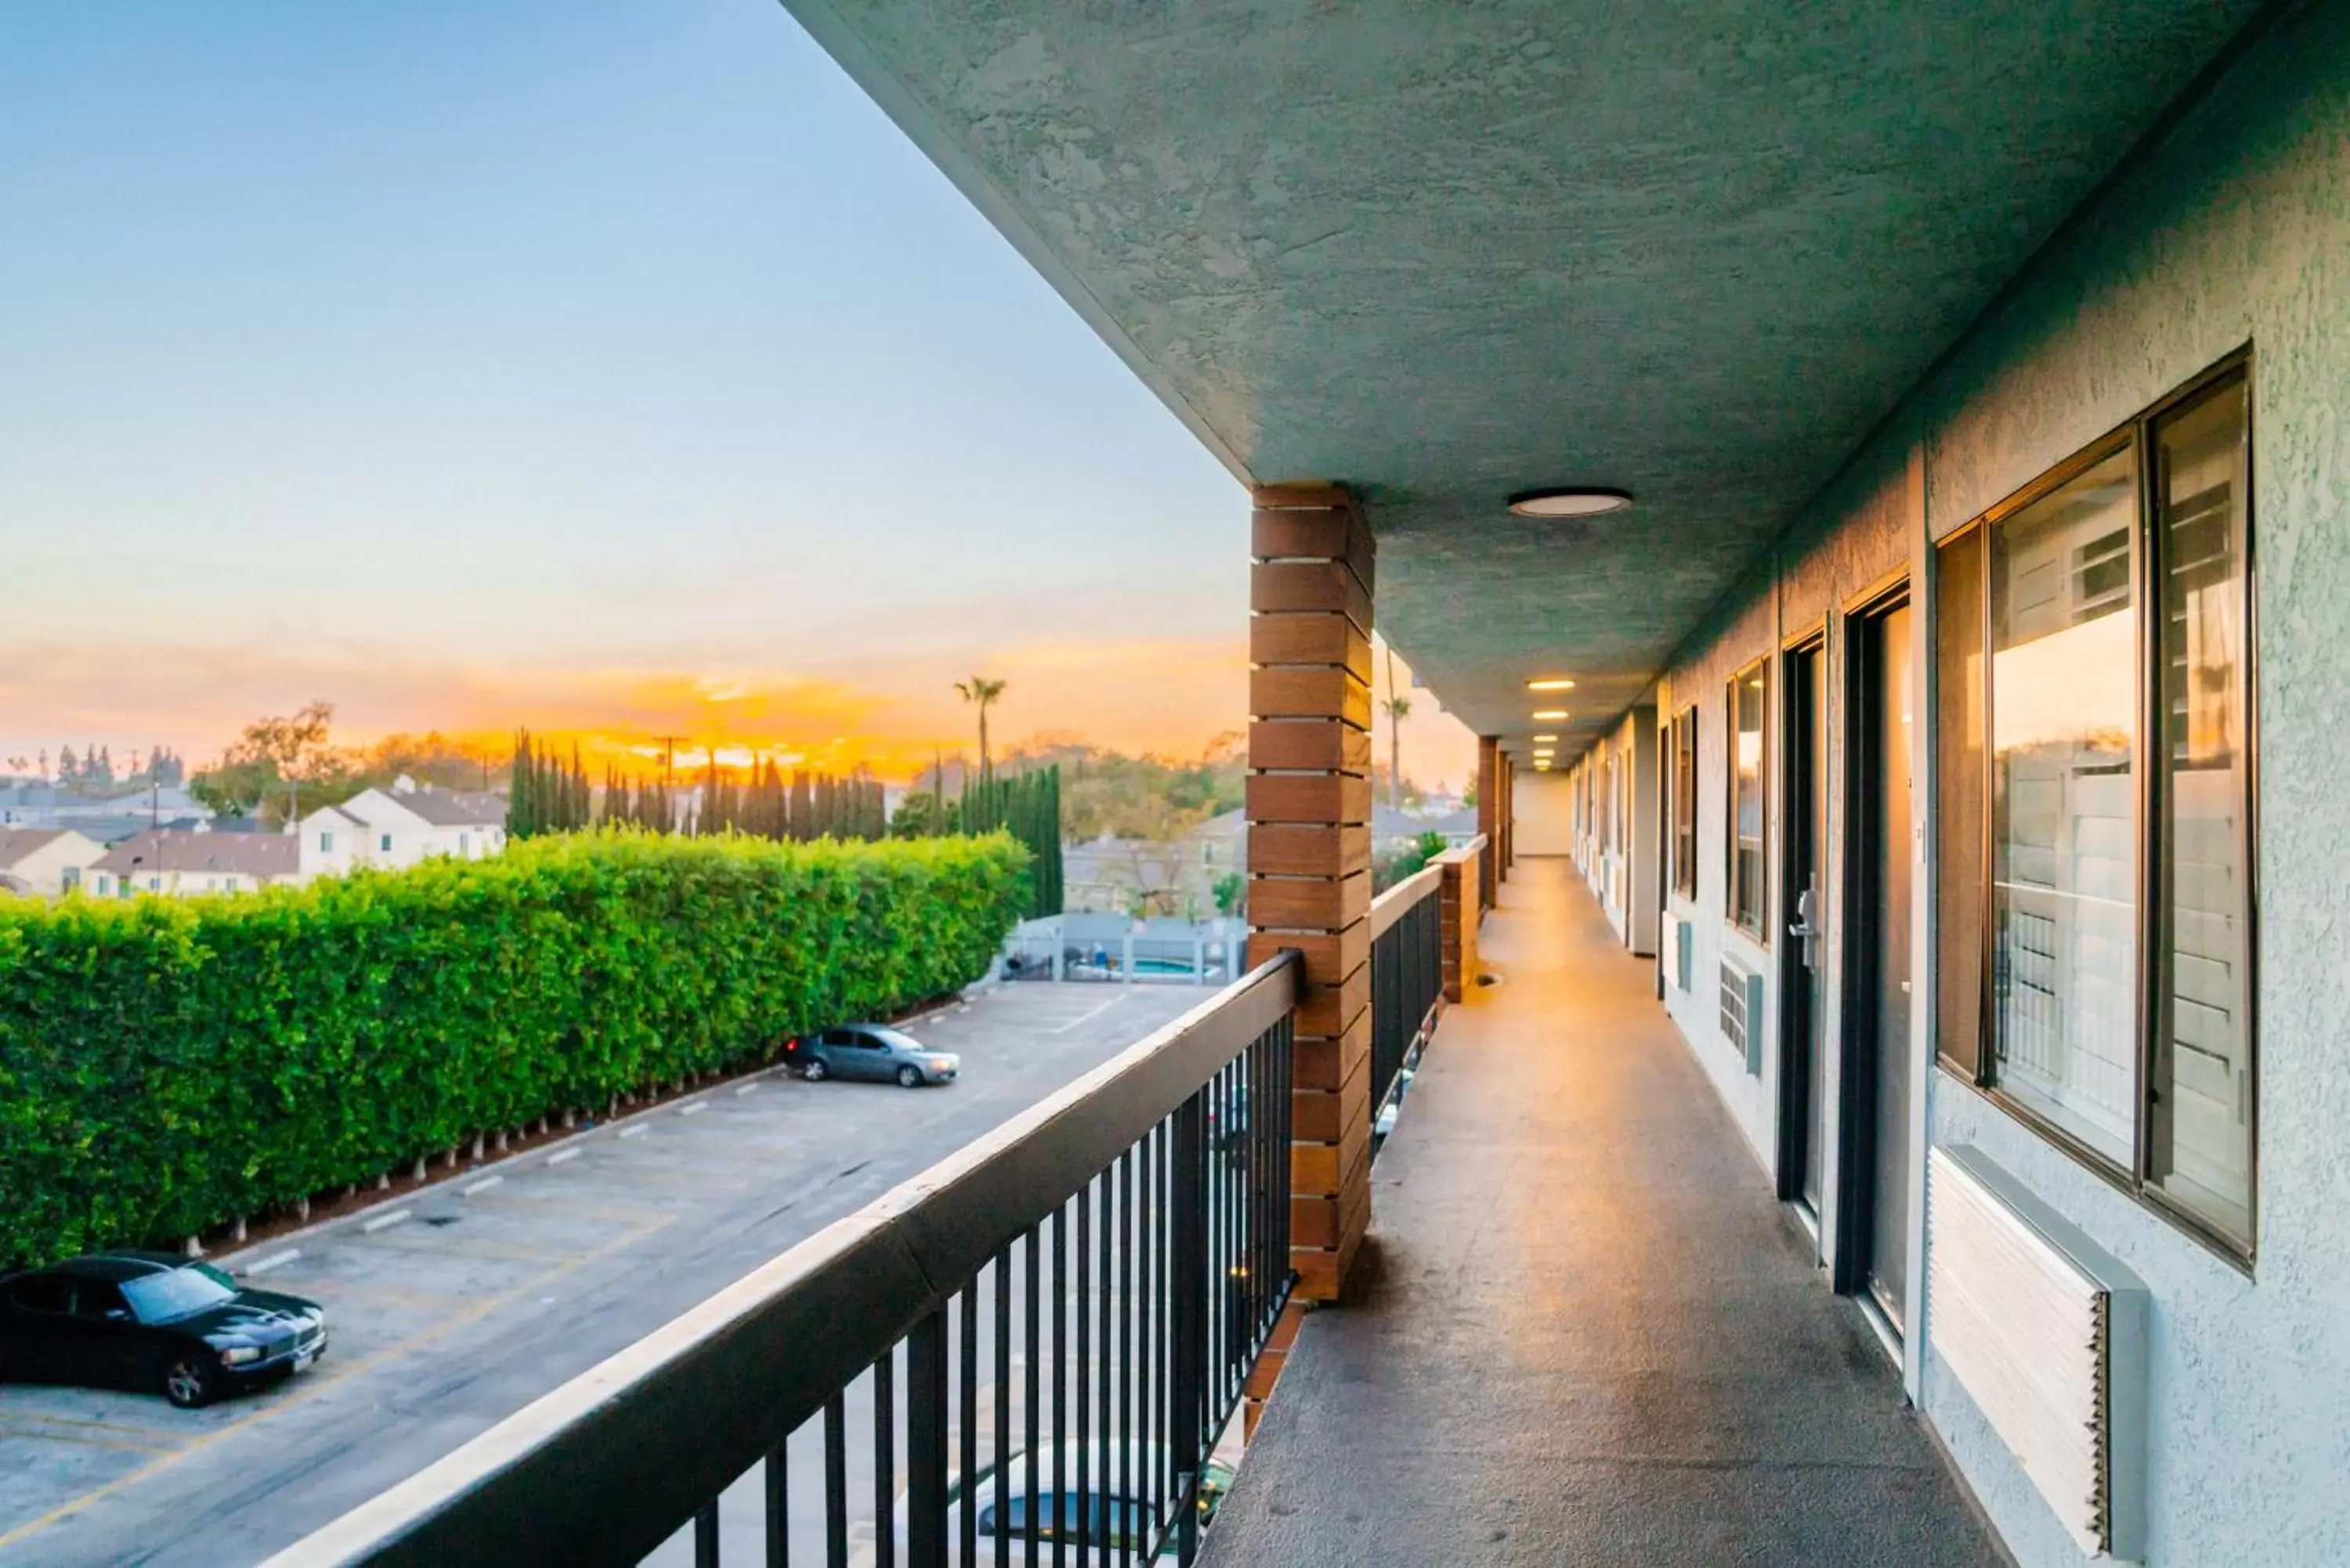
(453, 1308)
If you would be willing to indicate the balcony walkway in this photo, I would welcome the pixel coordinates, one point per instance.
(1585, 1332)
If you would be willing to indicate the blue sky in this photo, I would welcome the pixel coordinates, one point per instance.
(559, 363)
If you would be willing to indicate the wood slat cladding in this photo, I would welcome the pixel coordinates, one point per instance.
(1329, 745)
(1309, 806)
(1307, 849)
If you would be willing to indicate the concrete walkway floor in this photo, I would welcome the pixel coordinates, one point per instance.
(1584, 1333)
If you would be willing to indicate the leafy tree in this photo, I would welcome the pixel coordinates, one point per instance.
(1231, 890)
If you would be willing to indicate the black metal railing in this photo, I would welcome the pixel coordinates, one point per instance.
(1407, 974)
(1023, 1356)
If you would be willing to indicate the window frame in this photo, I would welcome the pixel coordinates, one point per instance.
(1759, 930)
(2151, 845)
(1685, 798)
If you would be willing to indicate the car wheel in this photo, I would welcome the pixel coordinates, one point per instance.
(815, 1072)
(909, 1079)
(191, 1379)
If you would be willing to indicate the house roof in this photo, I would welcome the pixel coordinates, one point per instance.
(436, 808)
(267, 854)
(15, 843)
(455, 808)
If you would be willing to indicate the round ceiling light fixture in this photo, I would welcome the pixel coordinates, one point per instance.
(1544, 715)
(1550, 683)
(1569, 501)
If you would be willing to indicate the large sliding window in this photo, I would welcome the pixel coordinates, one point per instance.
(1685, 803)
(2093, 851)
(1749, 815)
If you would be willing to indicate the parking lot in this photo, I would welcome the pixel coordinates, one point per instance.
(455, 1305)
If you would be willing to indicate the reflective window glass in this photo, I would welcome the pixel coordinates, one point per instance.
(2063, 831)
(2200, 1145)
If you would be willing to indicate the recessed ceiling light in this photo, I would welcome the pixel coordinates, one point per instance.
(1550, 683)
(1542, 767)
(1569, 501)
(1544, 715)
(1538, 739)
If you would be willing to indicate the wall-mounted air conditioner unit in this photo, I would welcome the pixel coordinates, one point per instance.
(1673, 947)
(1742, 1011)
(2046, 1331)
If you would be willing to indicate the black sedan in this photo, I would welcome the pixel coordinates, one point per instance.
(874, 1053)
(152, 1321)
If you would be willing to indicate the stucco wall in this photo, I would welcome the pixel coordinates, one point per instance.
(1542, 806)
(2237, 230)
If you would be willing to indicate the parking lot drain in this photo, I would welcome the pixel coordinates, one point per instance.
(383, 1221)
(560, 1155)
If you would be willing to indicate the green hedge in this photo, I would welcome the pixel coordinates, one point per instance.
(166, 1065)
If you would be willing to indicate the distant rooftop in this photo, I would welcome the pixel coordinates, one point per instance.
(239, 854)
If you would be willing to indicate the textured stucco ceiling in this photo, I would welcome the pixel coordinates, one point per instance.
(1446, 251)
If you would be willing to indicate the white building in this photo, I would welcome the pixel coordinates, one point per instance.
(397, 827)
(180, 864)
(49, 861)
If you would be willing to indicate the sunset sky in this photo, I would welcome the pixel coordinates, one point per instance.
(597, 366)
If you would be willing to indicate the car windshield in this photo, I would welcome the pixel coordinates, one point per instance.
(158, 1298)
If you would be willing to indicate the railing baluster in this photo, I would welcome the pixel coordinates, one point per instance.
(885, 1461)
(1082, 1372)
(836, 1482)
(705, 1535)
(1034, 1394)
(926, 1446)
(779, 1506)
(1190, 1278)
(1128, 1432)
(1060, 1536)
(967, 1404)
(1002, 1464)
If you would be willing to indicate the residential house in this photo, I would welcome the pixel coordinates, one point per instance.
(176, 863)
(47, 860)
(397, 828)
(1173, 876)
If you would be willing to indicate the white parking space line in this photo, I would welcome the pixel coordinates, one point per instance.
(560, 1155)
(481, 1186)
(1088, 1015)
(637, 1131)
(742, 1089)
(382, 1222)
(274, 1261)
(693, 1110)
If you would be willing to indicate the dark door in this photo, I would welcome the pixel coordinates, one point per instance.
(1802, 1056)
(39, 1332)
(1876, 1230)
(111, 1351)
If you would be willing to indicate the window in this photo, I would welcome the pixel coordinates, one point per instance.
(385, 845)
(1748, 812)
(1685, 803)
(327, 842)
(2094, 850)
(71, 878)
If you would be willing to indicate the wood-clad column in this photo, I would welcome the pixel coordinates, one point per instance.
(1309, 813)
(1489, 816)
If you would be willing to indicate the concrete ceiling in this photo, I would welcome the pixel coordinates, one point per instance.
(1445, 252)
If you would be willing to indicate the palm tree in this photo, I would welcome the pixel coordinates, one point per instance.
(1397, 705)
(983, 691)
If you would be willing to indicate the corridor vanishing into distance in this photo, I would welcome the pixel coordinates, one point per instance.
(1586, 1332)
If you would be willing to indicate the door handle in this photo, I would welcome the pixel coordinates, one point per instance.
(1805, 930)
